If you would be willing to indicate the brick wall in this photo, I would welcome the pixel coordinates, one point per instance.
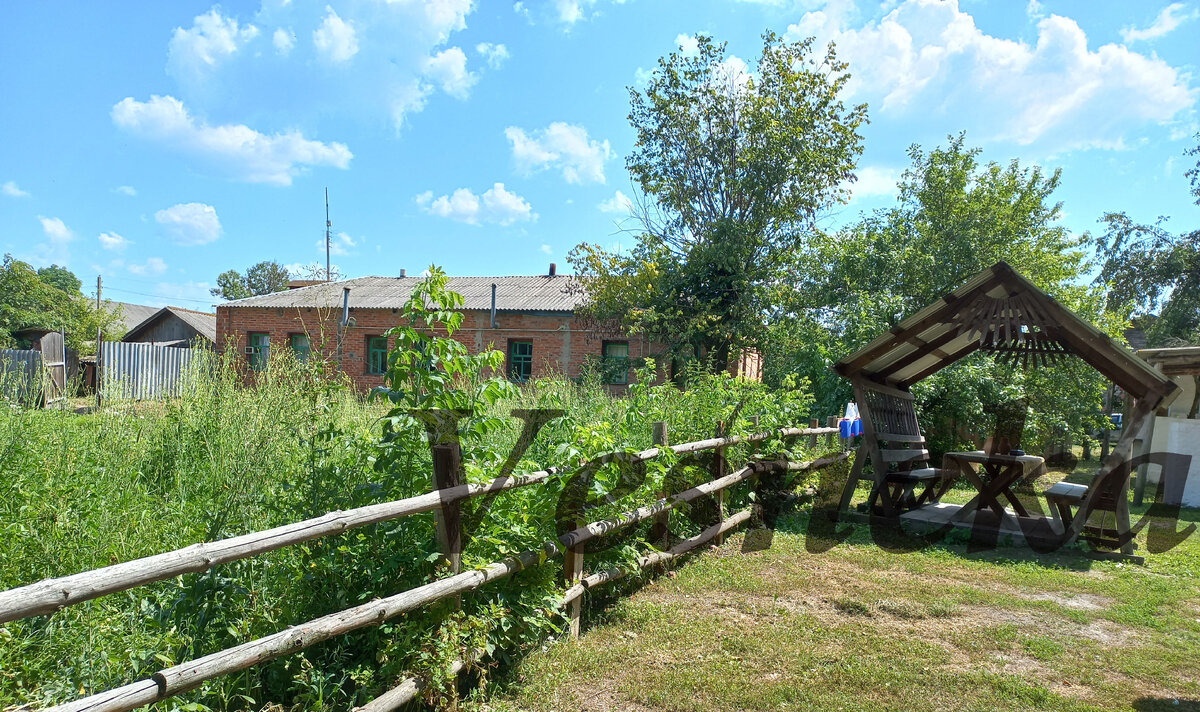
(559, 346)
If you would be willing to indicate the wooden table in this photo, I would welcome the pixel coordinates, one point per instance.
(993, 476)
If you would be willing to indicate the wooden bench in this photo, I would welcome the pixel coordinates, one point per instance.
(1109, 532)
(893, 443)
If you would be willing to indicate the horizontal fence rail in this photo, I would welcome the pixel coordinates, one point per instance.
(53, 594)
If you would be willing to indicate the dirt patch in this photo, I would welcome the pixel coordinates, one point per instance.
(1106, 633)
(606, 700)
(1077, 601)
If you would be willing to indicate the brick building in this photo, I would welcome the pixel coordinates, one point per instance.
(531, 319)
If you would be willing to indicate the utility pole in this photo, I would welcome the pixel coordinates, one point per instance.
(99, 341)
(327, 226)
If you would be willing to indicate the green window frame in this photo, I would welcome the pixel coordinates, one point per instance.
(301, 346)
(377, 352)
(615, 362)
(258, 348)
(520, 360)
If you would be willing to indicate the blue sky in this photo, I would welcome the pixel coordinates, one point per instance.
(159, 144)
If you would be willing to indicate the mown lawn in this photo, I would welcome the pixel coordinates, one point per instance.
(861, 627)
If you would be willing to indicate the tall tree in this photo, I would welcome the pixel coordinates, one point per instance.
(734, 166)
(1150, 270)
(262, 278)
(28, 301)
(62, 278)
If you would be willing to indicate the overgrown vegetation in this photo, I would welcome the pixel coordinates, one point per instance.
(80, 492)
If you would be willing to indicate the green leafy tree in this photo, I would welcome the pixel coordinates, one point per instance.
(28, 301)
(734, 167)
(266, 277)
(954, 217)
(1150, 270)
(262, 278)
(62, 278)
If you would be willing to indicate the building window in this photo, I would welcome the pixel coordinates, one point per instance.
(616, 362)
(376, 354)
(258, 348)
(520, 360)
(300, 346)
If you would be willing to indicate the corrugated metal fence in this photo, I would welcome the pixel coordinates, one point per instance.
(140, 371)
(21, 376)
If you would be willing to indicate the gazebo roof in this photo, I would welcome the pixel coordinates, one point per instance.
(998, 310)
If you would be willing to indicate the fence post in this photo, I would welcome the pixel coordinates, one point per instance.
(573, 574)
(718, 471)
(831, 439)
(814, 423)
(754, 422)
(659, 529)
(447, 473)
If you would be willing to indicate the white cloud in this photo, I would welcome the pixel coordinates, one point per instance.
(449, 69)
(153, 265)
(56, 230)
(1172, 16)
(283, 40)
(494, 54)
(560, 145)
(547, 249)
(125, 190)
(112, 241)
(335, 39)
(239, 150)
(688, 46)
(497, 205)
(340, 244)
(618, 203)
(189, 223)
(212, 39)
(570, 11)
(12, 190)
(875, 181)
(927, 59)
(366, 59)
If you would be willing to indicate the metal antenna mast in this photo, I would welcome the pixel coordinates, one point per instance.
(327, 226)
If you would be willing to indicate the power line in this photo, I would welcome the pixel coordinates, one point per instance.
(161, 296)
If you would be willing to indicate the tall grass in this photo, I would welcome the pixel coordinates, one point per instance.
(231, 456)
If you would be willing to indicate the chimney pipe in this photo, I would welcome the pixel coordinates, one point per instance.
(553, 269)
(493, 322)
(403, 272)
(345, 305)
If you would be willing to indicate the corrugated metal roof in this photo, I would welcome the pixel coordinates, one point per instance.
(204, 323)
(131, 314)
(557, 293)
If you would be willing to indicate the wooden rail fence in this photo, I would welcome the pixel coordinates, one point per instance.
(51, 595)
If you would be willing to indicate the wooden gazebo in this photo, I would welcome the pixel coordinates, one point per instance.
(996, 311)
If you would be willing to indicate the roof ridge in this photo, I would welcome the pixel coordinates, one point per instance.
(190, 311)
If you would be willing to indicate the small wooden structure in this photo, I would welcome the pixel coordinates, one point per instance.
(176, 327)
(997, 311)
(1174, 429)
(47, 377)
